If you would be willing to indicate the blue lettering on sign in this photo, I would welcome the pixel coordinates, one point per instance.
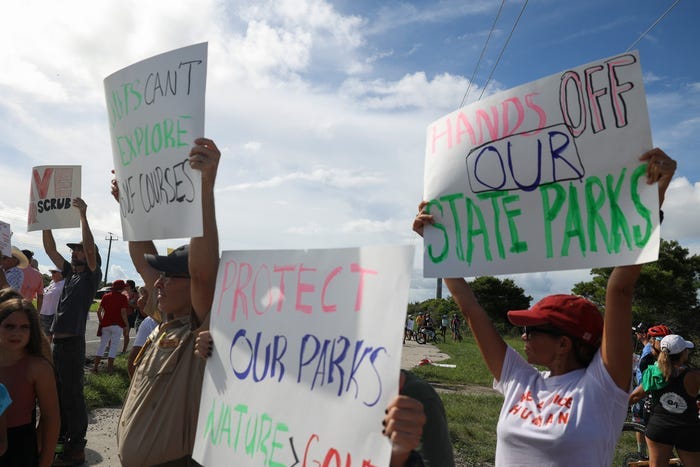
(524, 161)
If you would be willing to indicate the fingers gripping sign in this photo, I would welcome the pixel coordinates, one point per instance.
(204, 156)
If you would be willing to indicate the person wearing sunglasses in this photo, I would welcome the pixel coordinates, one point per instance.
(571, 414)
(158, 422)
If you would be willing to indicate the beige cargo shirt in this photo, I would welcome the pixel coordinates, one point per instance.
(158, 422)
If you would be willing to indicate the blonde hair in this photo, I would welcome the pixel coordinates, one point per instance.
(666, 361)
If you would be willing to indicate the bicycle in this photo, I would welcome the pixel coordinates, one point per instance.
(426, 335)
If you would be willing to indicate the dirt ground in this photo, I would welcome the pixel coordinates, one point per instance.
(102, 443)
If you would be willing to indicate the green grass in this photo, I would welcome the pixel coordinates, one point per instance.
(472, 420)
(472, 417)
(103, 390)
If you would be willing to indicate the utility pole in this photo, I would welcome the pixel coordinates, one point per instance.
(109, 251)
(438, 292)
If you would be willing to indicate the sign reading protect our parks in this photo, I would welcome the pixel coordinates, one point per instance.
(307, 351)
(545, 176)
(51, 193)
(156, 111)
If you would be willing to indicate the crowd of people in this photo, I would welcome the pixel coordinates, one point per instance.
(570, 414)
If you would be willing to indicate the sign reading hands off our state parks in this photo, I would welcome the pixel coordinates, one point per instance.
(156, 111)
(51, 193)
(307, 352)
(544, 176)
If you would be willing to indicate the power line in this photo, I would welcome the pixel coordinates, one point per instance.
(483, 49)
(652, 26)
(522, 10)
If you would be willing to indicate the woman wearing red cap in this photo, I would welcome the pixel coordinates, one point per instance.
(573, 413)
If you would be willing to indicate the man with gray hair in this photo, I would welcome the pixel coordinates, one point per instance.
(159, 419)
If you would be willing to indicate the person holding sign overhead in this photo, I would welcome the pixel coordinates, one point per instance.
(573, 413)
(82, 278)
(159, 418)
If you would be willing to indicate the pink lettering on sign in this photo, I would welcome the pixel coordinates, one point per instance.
(331, 458)
(498, 122)
(247, 288)
(302, 288)
(583, 97)
(356, 268)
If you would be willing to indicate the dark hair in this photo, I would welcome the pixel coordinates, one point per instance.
(131, 284)
(8, 293)
(583, 351)
(36, 336)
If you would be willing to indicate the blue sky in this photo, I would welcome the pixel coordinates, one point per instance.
(321, 107)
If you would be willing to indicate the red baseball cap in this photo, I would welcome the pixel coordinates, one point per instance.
(574, 315)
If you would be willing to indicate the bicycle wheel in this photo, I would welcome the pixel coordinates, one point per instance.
(420, 338)
(626, 451)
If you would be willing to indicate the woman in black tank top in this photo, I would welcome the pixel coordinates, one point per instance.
(674, 415)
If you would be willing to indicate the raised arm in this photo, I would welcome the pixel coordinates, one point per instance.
(491, 344)
(145, 270)
(204, 250)
(88, 239)
(50, 249)
(616, 346)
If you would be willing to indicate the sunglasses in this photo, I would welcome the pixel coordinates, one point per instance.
(529, 331)
(168, 275)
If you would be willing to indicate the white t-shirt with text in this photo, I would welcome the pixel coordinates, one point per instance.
(573, 419)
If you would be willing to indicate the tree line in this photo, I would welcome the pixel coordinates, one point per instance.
(666, 293)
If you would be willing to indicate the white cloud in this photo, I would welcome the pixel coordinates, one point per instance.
(321, 175)
(412, 91)
(682, 197)
(253, 146)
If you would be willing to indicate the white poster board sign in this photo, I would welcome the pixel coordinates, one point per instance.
(307, 352)
(545, 176)
(156, 111)
(5, 239)
(51, 194)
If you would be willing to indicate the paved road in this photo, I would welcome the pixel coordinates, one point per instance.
(92, 342)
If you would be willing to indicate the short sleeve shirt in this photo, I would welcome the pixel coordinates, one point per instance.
(79, 290)
(112, 303)
(33, 284)
(574, 419)
(52, 294)
(154, 429)
(15, 277)
(145, 329)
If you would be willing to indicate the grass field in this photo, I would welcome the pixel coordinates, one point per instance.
(472, 414)
(472, 410)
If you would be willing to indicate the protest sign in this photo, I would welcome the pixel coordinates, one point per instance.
(307, 351)
(156, 111)
(51, 195)
(5, 239)
(545, 176)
